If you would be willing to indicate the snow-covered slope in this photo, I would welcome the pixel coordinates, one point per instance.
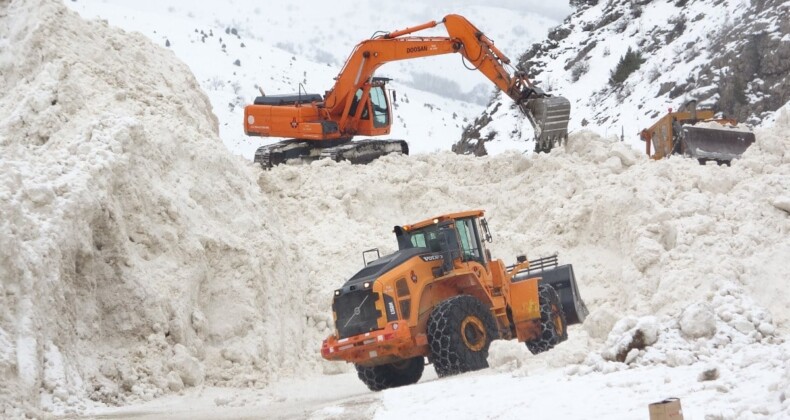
(733, 55)
(235, 47)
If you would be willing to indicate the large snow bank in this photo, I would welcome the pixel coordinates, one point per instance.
(138, 257)
(133, 247)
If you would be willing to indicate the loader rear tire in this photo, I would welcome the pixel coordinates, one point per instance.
(553, 327)
(460, 330)
(392, 375)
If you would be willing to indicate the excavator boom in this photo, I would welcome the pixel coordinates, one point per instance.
(345, 110)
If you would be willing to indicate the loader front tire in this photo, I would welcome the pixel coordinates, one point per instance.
(392, 375)
(460, 330)
(553, 327)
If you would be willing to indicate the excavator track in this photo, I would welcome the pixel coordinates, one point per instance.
(288, 150)
(365, 151)
(300, 151)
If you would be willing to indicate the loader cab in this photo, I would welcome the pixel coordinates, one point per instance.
(459, 238)
(373, 104)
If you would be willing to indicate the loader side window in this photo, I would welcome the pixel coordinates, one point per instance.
(418, 240)
(467, 234)
(426, 239)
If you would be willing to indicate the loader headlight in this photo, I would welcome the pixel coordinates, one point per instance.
(337, 292)
(366, 285)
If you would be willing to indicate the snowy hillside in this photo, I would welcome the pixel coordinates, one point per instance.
(235, 48)
(733, 55)
(148, 272)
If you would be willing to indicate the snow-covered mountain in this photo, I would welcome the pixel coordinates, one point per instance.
(243, 45)
(733, 55)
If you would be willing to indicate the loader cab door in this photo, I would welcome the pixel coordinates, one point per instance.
(469, 239)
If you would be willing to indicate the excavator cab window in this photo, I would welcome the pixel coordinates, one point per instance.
(355, 105)
(378, 99)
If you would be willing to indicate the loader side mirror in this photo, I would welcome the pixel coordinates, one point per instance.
(486, 231)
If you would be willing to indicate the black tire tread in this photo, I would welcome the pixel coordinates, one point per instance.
(549, 337)
(378, 378)
(448, 352)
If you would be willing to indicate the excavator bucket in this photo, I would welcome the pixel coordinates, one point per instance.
(710, 142)
(549, 114)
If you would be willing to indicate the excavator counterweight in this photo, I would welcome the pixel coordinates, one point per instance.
(323, 126)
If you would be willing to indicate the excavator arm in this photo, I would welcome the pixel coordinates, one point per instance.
(547, 114)
(323, 126)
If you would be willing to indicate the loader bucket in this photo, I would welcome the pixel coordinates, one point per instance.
(562, 279)
(549, 114)
(709, 143)
(564, 282)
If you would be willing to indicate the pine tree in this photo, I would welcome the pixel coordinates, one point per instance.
(628, 64)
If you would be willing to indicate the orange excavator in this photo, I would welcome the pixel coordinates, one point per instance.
(358, 104)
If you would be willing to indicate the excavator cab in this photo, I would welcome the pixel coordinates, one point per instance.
(372, 100)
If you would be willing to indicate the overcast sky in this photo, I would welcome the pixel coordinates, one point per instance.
(554, 9)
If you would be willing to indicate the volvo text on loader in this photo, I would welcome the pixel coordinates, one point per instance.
(443, 297)
(697, 134)
(359, 105)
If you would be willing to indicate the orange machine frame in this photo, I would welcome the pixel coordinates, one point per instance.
(491, 283)
(307, 121)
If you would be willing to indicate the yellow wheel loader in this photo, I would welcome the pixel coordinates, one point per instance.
(698, 135)
(442, 297)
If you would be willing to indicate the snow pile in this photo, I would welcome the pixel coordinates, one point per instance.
(136, 255)
(729, 338)
(703, 331)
